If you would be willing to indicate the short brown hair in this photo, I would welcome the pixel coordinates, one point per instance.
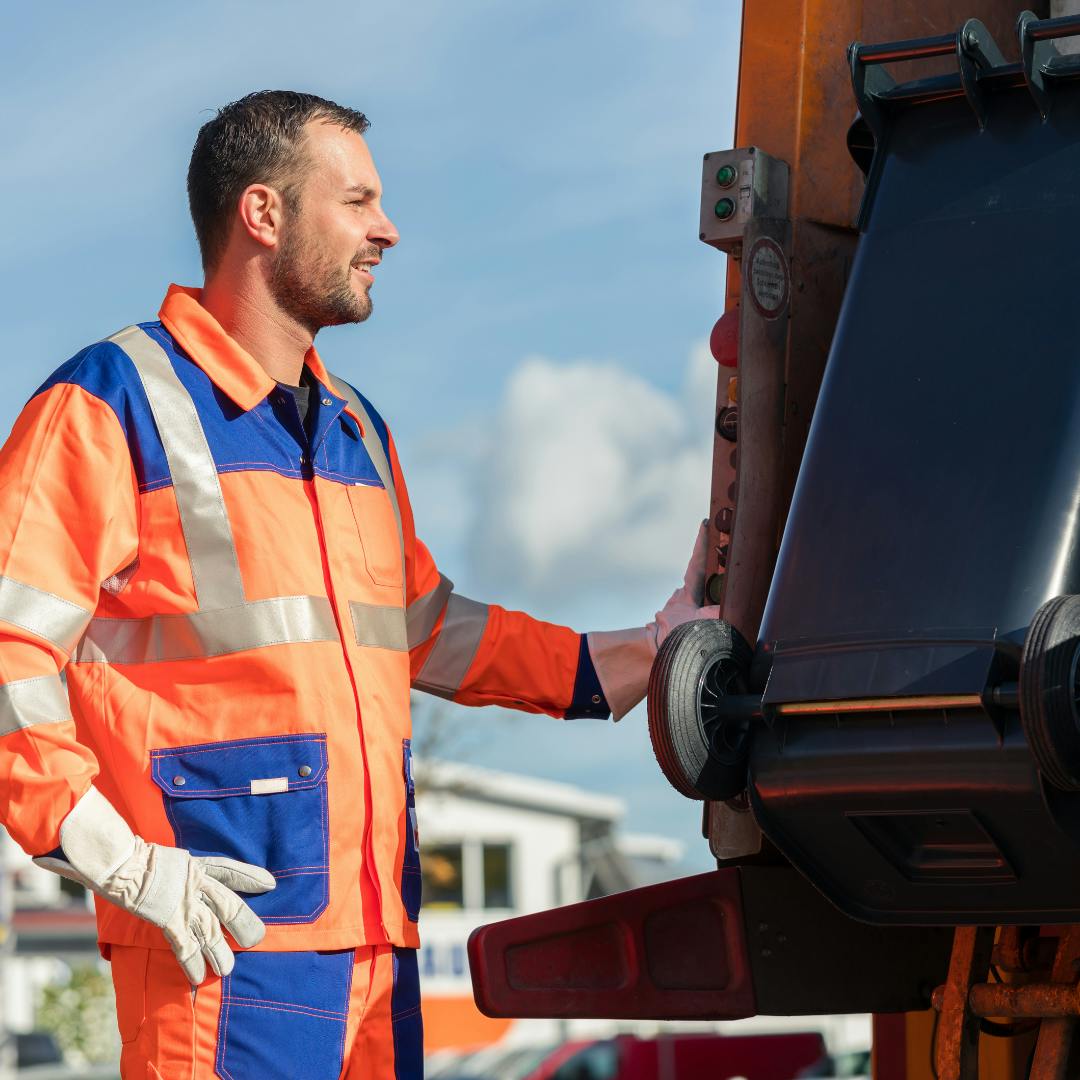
(256, 140)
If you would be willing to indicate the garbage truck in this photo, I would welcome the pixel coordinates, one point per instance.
(883, 728)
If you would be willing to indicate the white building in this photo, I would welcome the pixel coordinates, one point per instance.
(495, 845)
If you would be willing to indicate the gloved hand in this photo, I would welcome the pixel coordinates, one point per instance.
(191, 898)
(623, 658)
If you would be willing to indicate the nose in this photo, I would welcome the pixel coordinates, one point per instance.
(384, 233)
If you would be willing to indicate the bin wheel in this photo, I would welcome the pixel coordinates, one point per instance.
(1050, 691)
(702, 755)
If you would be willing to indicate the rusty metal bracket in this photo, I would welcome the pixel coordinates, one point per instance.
(1056, 1035)
(963, 1002)
(957, 1052)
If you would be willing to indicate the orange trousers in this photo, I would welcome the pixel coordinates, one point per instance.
(351, 1014)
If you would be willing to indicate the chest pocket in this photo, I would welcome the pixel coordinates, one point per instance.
(377, 525)
(262, 801)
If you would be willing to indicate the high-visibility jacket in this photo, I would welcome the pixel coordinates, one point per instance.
(239, 614)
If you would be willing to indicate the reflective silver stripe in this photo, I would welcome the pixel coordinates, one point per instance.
(455, 648)
(41, 700)
(283, 620)
(379, 626)
(373, 445)
(51, 617)
(207, 533)
(423, 614)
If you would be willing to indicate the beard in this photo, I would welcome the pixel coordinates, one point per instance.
(313, 289)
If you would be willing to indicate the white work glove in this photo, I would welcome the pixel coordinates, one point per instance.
(191, 898)
(623, 658)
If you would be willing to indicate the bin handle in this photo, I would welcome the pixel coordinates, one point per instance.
(973, 46)
(1037, 51)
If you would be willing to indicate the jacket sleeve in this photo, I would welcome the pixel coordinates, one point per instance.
(68, 520)
(482, 654)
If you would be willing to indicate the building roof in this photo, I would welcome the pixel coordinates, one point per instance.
(650, 846)
(511, 789)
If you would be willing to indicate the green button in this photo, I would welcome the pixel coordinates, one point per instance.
(725, 175)
(724, 209)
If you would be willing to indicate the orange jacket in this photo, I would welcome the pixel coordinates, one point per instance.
(239, 614)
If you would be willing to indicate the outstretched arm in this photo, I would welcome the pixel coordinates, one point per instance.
(483, 654)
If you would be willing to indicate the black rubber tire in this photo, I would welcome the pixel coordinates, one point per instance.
(1049, 704)
(698, 662)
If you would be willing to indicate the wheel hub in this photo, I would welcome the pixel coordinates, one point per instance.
(725, 735)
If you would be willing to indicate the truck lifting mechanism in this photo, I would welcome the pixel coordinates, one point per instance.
(884, 727)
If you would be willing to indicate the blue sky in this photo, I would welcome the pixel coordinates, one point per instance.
(538, 338)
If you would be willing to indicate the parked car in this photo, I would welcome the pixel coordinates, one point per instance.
(685, 1057)
(37, 1048)
(496, 1062)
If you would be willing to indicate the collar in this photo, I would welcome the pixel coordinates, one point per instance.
(230, 367)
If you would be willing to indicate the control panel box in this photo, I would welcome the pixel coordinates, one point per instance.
(738, 186)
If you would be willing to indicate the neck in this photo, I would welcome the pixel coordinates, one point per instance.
(249, 315)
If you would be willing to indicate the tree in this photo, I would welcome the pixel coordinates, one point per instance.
(81, 1013)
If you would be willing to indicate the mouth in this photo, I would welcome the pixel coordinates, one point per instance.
(366, 271)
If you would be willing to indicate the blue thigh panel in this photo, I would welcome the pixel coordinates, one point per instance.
(283, 1016)
(405, 1017)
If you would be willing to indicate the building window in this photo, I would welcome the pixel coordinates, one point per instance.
(442, 876)
(497, 880)
(468, 874)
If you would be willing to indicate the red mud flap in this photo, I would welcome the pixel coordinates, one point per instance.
(622, 956)
(720, 946)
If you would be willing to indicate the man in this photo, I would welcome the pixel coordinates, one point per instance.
(210, 536)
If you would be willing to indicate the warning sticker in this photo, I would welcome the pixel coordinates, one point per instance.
(768, 277)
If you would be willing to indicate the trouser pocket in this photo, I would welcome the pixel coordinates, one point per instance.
(410, 866)
(156, 1013)
(262, 801)
(128, 966)
(283, 1016)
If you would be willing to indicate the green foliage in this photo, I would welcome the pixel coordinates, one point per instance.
(81, 1013)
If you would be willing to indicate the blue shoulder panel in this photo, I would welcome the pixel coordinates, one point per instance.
(239, 441)
(345, 458)
(266, 438)
(269, 437)
(104, 370)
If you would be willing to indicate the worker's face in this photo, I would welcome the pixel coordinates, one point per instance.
(324, 266)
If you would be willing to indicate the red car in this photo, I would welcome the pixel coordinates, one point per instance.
(685, 1057)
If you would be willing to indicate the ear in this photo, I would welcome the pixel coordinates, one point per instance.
(261, 210)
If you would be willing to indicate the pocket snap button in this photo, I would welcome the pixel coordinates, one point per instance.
(179, 781)
(304, 770)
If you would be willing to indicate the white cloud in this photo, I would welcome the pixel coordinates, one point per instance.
(592, 484)
(576, 498)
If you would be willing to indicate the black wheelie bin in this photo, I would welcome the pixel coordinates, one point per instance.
(919, 758)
